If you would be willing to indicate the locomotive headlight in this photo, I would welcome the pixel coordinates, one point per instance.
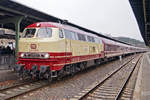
(46, 55)
(22, 55)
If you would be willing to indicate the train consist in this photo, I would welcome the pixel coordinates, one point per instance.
(49, 50)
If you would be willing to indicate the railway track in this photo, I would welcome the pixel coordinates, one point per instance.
(27, 87)
(20, 89)
(111, 87)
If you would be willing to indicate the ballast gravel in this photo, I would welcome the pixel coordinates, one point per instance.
(69, 87)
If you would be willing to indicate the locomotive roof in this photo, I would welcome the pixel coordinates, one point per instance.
(69, 27)
(59, 25)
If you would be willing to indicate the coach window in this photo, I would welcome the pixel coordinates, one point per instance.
(61, 34)
(44, 33)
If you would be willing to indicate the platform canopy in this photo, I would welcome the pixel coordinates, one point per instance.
(141, 10)
(17, 16)
(10, 11)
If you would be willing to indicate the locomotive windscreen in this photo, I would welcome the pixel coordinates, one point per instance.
(37, 32)
(44, 33)
(29, 33)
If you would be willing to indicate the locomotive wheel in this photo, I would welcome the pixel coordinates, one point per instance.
(61, 74)
(78, 67)
(49, 77)
(23, 75)
(72, 70)
(82, 66)
(85, 65)
(97, 61)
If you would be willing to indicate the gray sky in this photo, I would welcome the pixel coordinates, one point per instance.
(113, 17)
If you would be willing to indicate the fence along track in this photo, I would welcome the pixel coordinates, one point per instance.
(95, 88)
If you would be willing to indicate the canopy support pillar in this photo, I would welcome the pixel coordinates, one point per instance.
(17, 28)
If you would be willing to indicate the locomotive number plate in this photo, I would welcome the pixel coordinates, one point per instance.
(33, 46)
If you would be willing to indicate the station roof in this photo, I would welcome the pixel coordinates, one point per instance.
(141, 10)
(11, 9)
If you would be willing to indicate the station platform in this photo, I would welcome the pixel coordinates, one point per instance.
(142, 86)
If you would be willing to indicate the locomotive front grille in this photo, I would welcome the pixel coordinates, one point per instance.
(34, 55)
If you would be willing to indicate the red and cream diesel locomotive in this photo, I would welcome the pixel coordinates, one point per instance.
(48, 50)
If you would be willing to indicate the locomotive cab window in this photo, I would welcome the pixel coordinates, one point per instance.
(29, 33)
(44, 33)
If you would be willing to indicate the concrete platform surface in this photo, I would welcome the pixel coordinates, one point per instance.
(142, 87)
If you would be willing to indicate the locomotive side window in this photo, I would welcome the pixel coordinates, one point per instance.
(100, 41)
(74, 35)
(81, 37)
(90, 39)
(44, 33)
(29, 33)
(61, 33)
(93, 40)
(96, 40)
(68, 34)
(84, 39)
